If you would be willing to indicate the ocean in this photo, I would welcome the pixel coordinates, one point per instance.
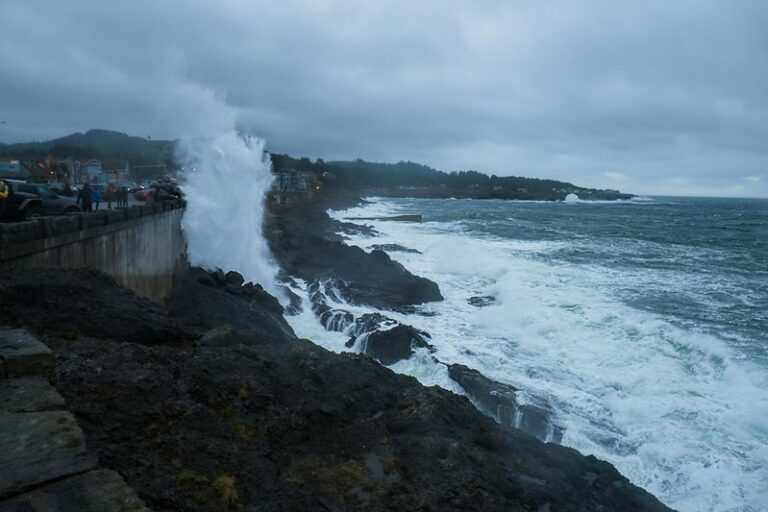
(643, 323)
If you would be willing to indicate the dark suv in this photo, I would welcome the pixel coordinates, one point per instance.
(35, 199)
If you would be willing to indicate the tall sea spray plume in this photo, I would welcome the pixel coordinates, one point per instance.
(227, 178)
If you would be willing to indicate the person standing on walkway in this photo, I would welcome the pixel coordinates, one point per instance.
(111, 195)
(5, 201)
(124, 196)
(85, 197)
(96, 193)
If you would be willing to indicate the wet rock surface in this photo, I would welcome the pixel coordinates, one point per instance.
(72, 303)
(370, 322)
(393, 248)
(500, 401)
(100, 490)
(481, 301)
(203, 300)
(29, 394)
(40, 446)
(333, 319)
(392, 345)
(243, 421)
(306, 244)
(21, 354)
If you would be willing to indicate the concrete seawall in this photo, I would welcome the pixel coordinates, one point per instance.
(141, 247)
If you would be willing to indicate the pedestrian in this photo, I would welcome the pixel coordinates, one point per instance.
(111, 190)
(96, 192)
(85, 197)
(4, 201)
(124, 196)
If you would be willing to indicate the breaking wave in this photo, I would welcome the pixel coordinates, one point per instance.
(585, 321)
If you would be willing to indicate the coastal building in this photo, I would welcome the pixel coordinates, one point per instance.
(291, 183)
(13, 168)
(43, 171)
(92, 171)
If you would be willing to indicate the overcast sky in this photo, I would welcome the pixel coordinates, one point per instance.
(649, 97)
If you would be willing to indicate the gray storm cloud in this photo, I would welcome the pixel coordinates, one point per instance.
(650, 97)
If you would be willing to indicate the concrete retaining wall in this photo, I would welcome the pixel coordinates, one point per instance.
(141, 246)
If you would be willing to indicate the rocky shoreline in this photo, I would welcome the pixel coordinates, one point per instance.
(213, 403)
(347, 274)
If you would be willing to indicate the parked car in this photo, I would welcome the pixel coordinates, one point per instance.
(35, 199)
(156, 193)
(130, 185)
(60, 189)
(20, 207)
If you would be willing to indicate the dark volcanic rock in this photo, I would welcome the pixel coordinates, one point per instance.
(481, 301)
(294, 306)
(370, 322)
(500, 402)
(203, 300)
(234, 278)
(305, 243)
(393, 345)
(336, 320)
(393, 248)
(99, 490)
(83, 302)
(350, 228)
(293, 427)
(290, 426)
(373, 279)
(331, 318)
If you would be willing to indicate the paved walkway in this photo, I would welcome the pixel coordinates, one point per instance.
(45, 464)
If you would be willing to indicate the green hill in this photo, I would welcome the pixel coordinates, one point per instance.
(96, 144)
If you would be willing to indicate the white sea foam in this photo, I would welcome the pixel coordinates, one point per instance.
(572, 198)
(675, 409)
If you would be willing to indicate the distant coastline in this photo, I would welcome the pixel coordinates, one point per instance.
(142, 157)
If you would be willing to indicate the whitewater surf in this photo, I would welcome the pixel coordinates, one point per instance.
(645, 335)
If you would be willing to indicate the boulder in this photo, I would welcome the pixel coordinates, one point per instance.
(336, 320)
(100, 490)
(393, 345)
(248, 308)
(481, 301)
(370, 322)
(500, 401)
(29, 394)
(234, 278)
(393, 248)
(22, 354)
(36, 447)
(294, 306)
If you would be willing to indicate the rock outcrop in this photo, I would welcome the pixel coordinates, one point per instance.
(393, 248)
(249, 420)
(306, 244)
(500, 401)
(391, 345)
(45, 463)
(203, 300)
(72, 303)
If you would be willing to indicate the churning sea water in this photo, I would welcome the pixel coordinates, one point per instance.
(643, 323)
